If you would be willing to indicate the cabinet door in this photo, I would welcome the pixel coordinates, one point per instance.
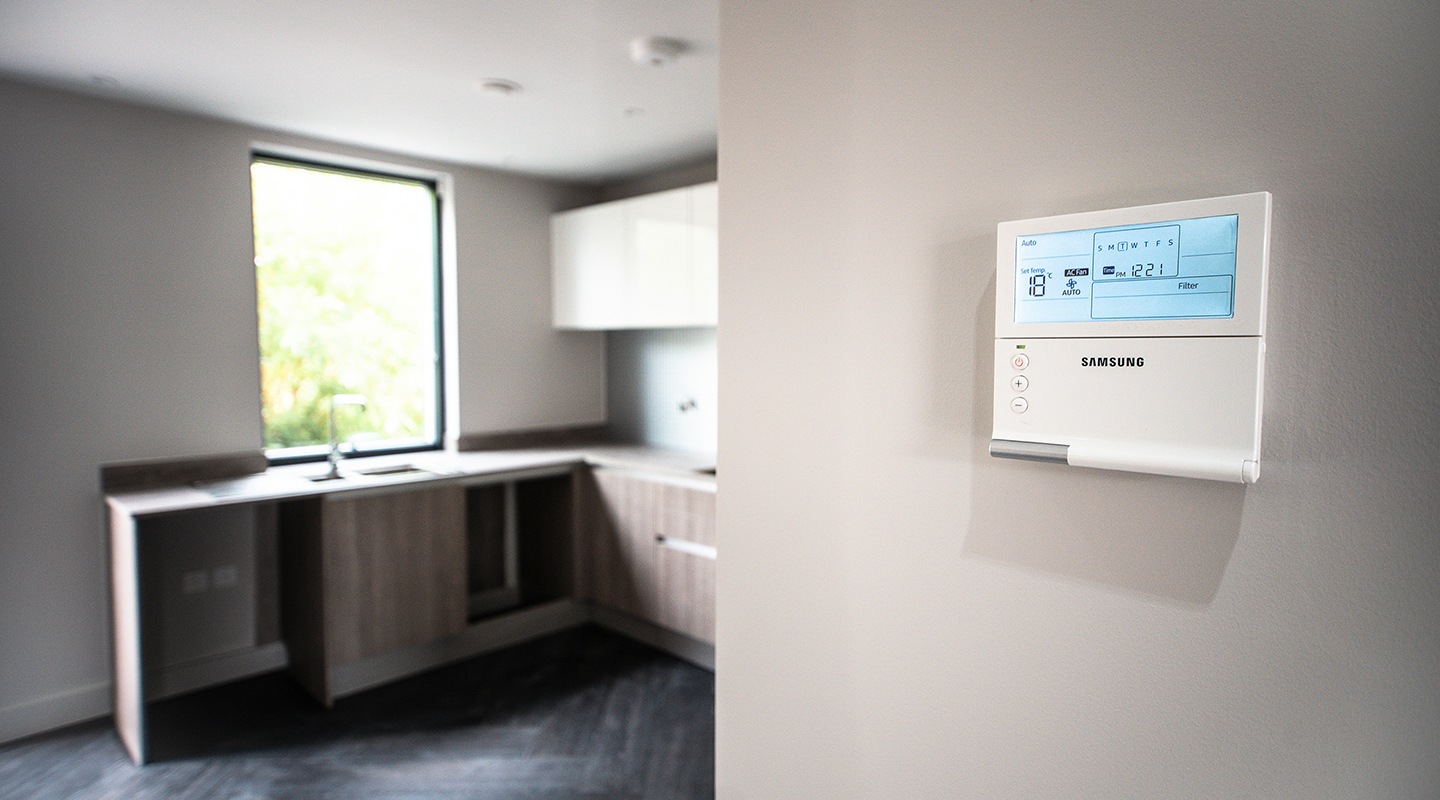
(704, 306)
(644, 262)
(620, 570)
(394, 570)
(658, 275)
(685, 536)
(588, 267)
(650, 550)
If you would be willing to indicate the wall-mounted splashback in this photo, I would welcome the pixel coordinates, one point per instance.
(662, 387)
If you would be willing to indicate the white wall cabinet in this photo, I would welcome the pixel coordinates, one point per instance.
(644, 262)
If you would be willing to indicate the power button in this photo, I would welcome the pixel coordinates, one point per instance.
(1019, 361)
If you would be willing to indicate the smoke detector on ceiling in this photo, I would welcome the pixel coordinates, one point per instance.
(655, 51)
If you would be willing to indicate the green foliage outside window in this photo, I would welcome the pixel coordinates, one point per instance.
(345, 273)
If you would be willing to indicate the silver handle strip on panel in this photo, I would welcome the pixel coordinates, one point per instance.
(1030, 451)
(684, 546)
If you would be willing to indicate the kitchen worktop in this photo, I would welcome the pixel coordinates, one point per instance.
(330, 627)
(296, 480)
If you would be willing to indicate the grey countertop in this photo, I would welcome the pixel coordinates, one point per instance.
(297, 480)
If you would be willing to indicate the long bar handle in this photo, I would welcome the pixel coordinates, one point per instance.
(686, 546)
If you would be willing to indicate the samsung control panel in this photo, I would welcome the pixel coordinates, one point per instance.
(1133, 338)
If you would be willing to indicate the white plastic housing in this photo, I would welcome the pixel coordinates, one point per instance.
(1193, 409)
(1180, 397)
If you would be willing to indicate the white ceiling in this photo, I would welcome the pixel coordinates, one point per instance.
(399, 76)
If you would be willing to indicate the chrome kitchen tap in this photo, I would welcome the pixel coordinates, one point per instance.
(334, 457)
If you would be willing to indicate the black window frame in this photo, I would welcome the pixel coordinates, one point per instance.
(430, 182)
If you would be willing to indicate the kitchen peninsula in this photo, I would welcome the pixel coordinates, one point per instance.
(411, 561)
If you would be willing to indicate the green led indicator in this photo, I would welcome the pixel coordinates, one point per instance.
(1019, 347)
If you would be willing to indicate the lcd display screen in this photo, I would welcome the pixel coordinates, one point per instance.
(1180, 269)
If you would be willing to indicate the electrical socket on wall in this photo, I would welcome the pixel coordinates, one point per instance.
(226, 576)
(195, 581)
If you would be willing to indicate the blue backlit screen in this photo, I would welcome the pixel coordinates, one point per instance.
(1182, 269)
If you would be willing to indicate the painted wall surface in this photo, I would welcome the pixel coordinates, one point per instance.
(193, 608)
(127, 331)
(516, 372)
(901, 615)
(660, 180)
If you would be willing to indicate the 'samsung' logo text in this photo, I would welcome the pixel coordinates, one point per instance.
(1111, 361)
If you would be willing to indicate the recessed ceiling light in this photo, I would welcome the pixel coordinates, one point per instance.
(497, 87)
(655, 51)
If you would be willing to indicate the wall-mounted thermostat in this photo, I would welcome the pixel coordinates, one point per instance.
(1134, 339)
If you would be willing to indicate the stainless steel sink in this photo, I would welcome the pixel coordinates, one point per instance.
(397, 469)
(387, 471)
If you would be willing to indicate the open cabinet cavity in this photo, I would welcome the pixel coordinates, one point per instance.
(507, 568)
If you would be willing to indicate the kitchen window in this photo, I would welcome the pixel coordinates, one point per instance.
(347, 275)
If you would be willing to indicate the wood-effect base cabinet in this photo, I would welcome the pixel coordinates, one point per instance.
(685, 555)
(368, 574)
(649, 550)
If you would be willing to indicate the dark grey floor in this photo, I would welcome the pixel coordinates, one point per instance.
(581, 714)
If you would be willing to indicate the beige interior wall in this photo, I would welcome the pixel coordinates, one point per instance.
(901, 615)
